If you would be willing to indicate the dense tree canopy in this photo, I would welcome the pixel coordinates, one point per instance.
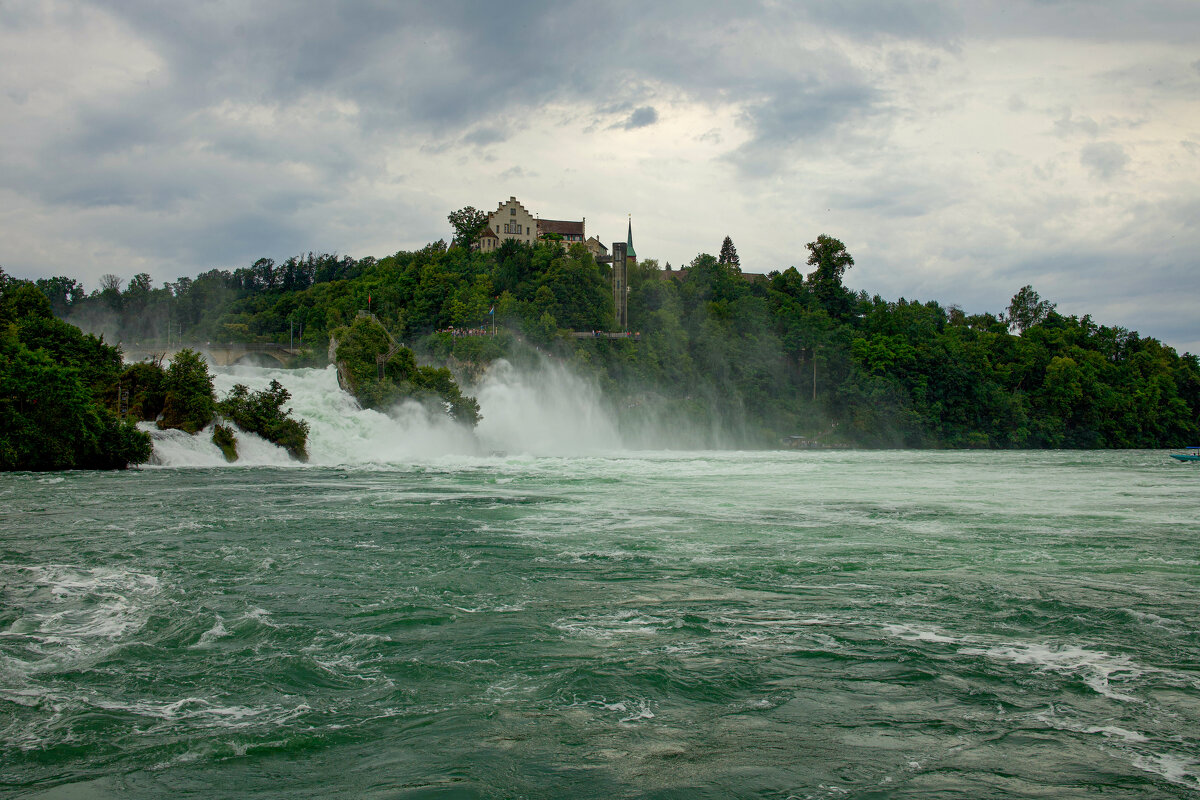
(51, 379)
(747, 357)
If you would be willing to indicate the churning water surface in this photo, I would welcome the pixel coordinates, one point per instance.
(539, 612)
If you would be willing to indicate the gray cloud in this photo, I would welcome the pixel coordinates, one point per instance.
(1068, 125)
(1104, 160)
(926, 20)
(641, 117)
(485, 135)
(263, 128)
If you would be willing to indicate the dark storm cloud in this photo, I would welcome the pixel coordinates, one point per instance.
(449, 66)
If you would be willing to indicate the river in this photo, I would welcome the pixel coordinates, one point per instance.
(546, 610)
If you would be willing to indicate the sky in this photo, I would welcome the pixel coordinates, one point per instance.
(960, 150)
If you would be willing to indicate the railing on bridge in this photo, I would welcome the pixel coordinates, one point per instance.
(637, 337)
(255, 347)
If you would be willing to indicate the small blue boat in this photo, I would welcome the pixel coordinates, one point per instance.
(1187, 454)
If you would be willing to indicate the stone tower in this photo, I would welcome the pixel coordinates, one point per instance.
(620, 285)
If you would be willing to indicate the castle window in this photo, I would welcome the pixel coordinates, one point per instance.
(512, 212)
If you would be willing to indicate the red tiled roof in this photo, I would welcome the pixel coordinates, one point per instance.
(559, 226)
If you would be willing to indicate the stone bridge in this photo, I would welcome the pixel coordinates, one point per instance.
(220, 354)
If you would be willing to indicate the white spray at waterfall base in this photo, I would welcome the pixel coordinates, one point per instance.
(546, 411)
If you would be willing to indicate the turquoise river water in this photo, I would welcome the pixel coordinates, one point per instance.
(413, 616)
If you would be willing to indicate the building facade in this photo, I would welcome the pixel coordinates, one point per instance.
(570, 231)
(596, 248)
(511, 221)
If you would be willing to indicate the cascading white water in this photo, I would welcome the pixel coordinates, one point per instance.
(550, 411)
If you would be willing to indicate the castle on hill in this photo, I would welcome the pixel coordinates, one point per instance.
(511, 220)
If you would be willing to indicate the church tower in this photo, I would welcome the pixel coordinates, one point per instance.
(629, 253)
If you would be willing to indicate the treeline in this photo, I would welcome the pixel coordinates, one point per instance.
(68, 400)
(53, 385)
(754, 357)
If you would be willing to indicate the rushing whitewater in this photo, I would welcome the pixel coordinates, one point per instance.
(546, 412)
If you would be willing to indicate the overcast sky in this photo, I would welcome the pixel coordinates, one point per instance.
(960, 150)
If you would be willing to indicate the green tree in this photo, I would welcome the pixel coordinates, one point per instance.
(188, 404)
(831, 260)
(729, 254)
(62, 292)
(50, 417)
(1028, 309)
(468, 222)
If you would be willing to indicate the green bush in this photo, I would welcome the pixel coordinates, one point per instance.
(262, 413)
(360, 344)
(188, 404)
(222, 437)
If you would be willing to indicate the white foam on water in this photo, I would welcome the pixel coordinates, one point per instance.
(640, 712)
(66, 608)
(1113, 731)
(611, 626)
(1058, 721)
(217, 631)
(632, 710)
(911, 634)
(203, 712)
(1175, 769)
(1095, 667)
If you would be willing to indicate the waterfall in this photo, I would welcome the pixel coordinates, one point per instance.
(546, 411)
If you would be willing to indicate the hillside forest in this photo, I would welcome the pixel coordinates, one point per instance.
(721, 358)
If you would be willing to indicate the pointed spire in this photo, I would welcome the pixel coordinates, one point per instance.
(629, 240)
